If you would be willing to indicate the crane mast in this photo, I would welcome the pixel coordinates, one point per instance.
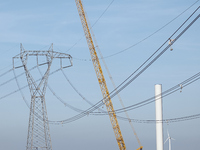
(100, 77)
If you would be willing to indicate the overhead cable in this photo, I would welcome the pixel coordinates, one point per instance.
(90, 103)
(105, 57)
(173, 89)
(152, 33)
(130, 78)
(6, 72)
(14, 77)
(140, 104)
(27, 104)
(59, 98)
(170, 120)
(24, 86)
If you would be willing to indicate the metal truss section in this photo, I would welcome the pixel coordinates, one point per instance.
(50, 54)
(38, 130)
(99, 73)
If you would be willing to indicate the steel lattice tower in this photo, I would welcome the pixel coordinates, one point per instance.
(38, 129)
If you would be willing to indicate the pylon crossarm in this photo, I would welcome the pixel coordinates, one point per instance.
(49, 55)
(44, 53)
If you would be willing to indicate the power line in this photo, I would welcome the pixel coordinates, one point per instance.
(148, 101)
(152, 33)
(25, 85)
(90, 103)
(121, 86)
(131, 107)
(15, 77)
(3, 74)
(105, 57)
(171, 120)
(20, 90)
(170, 91)
(59, 98)
(100, 103)
(130, 79)
(165, 93)
(17, 61)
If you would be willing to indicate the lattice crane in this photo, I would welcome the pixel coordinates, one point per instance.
(100, 77)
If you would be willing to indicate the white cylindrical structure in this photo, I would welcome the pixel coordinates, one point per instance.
(159, 116)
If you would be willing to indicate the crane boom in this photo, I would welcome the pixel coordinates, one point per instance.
(119, 97)
(100, 77)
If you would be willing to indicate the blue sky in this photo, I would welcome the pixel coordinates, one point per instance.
(37, 24)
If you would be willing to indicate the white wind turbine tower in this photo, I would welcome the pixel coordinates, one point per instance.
(169, 138)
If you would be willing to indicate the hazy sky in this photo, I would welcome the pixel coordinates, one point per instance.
(125, 24)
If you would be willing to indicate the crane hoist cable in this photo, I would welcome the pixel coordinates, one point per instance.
(99, 73)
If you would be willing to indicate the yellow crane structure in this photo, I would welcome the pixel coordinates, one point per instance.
(100, 77)
(119, 97)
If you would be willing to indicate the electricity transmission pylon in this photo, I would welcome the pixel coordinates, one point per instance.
(38, 129)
